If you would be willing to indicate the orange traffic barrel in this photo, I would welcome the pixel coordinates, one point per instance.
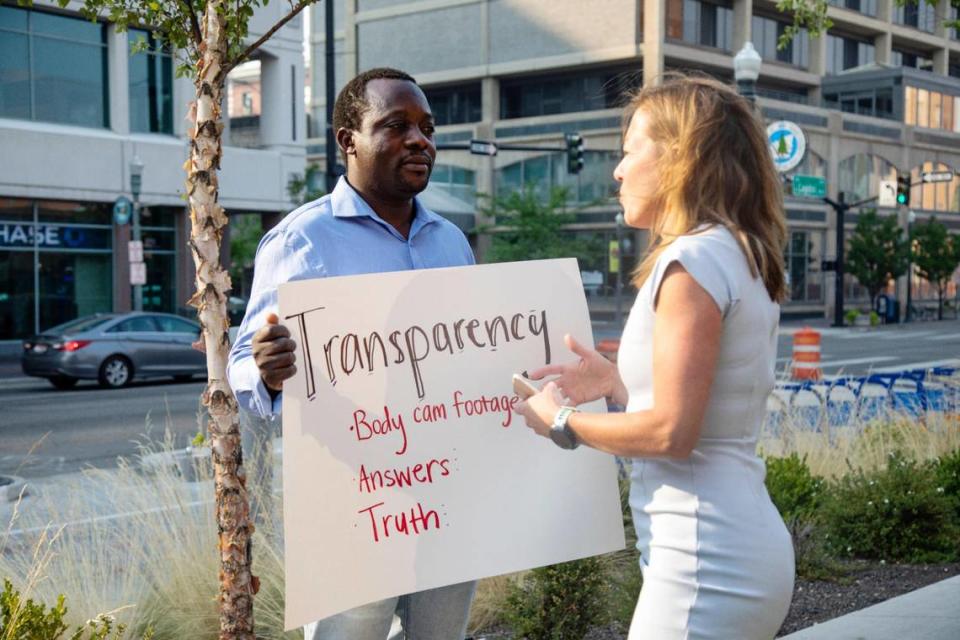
(806, 354)
(609, 349)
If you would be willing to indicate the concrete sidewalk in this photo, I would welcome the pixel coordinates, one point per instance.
(930, 613)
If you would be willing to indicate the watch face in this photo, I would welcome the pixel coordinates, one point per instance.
(562, 439)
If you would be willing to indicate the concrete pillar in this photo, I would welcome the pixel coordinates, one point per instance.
(282, 121)
(654, 34)
(742, 21)
(490, 100)
(183, 94)
(118, 72)
(883, 48)
(885, 10)
(351, 47)
(941, 61)
(486, 168)
(818, 65)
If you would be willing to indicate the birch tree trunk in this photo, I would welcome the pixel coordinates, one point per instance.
(208, 219)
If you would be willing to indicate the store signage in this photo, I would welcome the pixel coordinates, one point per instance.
(787, 144)
(809, 187)
(53, 236)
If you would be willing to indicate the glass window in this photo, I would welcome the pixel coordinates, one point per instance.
(14, 74)
(846, 53)
(17, 319)
(940, 196)
(766, 34)
(73, 285)
(151, 86)
(566, 93)
(65, 211)
(910, 105)
(803, 255)
(923, 108)
(705, 23)
(81, 324)
(455, 105)
(136, 323)
(860, 175)
(36, 84)
(13, 18)
(169, 324)
(159, 294)
(936, 109)
(15, 209)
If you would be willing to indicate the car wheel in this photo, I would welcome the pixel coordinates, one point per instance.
(183, 378)
(115, 372)
(63, 382)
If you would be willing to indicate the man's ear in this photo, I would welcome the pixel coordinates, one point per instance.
(346, 142)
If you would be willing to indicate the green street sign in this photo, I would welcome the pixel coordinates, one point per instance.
(809, 187)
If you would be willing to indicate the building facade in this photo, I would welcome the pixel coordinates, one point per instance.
(76, 107)
(876, 95)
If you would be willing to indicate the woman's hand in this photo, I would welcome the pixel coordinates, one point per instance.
(589, 378)
(540, 409)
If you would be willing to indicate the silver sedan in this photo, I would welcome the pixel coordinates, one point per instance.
(114, 349)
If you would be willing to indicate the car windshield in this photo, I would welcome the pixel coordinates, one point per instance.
(80, 324)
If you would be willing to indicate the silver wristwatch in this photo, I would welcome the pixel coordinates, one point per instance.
(560, 432)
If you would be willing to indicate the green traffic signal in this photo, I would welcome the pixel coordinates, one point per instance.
(903, 189)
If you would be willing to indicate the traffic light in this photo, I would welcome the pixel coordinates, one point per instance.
(903, 190)
(574, 152)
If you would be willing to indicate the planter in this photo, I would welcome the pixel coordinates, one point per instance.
(863, 320)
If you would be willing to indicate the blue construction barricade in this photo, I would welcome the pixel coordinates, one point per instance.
(856, 400)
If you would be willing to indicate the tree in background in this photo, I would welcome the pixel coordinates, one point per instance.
(878, 252)
(209, 38)
(936, 254)
(302, 189)
(812, 15)
(529, 227)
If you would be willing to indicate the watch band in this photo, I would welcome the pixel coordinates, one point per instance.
(560, 432)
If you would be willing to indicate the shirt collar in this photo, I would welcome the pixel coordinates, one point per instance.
(347, 203)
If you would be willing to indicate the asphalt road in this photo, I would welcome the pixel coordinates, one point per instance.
(44, 431)
(91, 426)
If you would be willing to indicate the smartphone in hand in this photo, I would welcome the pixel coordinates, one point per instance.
(523, 387)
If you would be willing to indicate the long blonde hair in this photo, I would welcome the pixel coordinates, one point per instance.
(715, 168)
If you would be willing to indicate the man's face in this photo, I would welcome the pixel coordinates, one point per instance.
(394, 147)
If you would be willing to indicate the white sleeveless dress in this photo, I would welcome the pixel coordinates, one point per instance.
(717, 560)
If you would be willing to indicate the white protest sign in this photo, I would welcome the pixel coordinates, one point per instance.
(404, 466)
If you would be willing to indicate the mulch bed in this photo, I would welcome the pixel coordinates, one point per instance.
(863, 584)
(866, 584)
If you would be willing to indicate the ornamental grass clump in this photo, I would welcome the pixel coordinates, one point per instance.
(141, 546)
(893, 514)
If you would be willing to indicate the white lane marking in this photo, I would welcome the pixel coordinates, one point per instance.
(907, 366)
(946, 336)
(841, 363)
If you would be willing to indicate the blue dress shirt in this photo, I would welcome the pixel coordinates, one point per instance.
(337, 235)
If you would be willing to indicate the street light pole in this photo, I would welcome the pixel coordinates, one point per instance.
(331, 92)
(840, 208)
(618, 291)
(136, 179)
(911, 218)
(746, 70)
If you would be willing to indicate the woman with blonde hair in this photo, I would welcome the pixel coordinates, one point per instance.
(696, 364)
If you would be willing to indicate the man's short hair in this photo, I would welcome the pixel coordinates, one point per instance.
(352, 102)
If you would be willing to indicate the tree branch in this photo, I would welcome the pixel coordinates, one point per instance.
(194, 22)
(300, 6)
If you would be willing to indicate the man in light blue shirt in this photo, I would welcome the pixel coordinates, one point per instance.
(372, 222)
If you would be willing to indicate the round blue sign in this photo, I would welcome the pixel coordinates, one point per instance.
(787, 144)
(122, 210)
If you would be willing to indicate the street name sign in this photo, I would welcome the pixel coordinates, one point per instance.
(936, 176)
(809, 186)
(405, 466)
(483, 148)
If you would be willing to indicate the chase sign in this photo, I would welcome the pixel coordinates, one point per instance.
(787, 144)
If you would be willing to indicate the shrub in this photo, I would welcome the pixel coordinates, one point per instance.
(946, 471)
(29, 620)
(794, 490)
(895, 513)
(559, 602)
